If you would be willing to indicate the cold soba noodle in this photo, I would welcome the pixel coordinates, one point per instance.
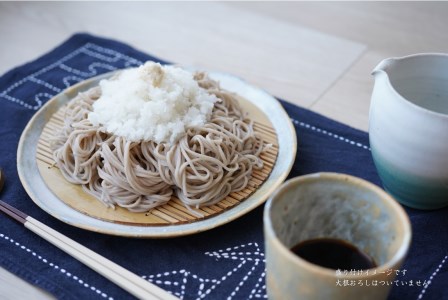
(201, 153)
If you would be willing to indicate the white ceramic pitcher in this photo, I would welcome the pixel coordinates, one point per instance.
(408, 128)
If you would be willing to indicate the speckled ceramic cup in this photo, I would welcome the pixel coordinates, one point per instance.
(330, 205)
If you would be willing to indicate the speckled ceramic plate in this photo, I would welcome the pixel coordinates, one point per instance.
(45, 197)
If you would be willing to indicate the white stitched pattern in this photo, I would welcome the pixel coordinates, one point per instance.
(20, 102)
(38, 99)
(259, 293)
(116, 54)
(104, 58)
(329, 133)
(55, 267)
(431, 278)
(243, 281)
(42, 71)
(69, 80)
(46, 84)
(250, 261)
(92, 68)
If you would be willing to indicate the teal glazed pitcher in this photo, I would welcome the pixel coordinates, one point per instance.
(408, 128)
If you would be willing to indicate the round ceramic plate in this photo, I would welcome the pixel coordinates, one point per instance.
(51, 201)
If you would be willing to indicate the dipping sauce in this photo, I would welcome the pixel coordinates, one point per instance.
(334, 254)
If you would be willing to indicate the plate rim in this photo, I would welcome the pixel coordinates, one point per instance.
(167, 231)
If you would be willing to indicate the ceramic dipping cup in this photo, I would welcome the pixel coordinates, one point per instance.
(337, 206)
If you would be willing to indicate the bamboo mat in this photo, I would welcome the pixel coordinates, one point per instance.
(172, 213)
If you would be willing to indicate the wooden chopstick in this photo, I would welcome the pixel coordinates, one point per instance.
(127, 280)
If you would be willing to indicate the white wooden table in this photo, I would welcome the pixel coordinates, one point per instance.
(317, 55)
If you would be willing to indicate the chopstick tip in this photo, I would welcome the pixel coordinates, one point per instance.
(13, 212)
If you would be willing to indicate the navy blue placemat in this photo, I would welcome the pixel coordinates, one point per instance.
(224, 263)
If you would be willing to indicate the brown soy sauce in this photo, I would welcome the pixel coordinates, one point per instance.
(334, 254)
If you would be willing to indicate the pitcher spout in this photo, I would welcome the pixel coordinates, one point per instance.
(383, 66)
